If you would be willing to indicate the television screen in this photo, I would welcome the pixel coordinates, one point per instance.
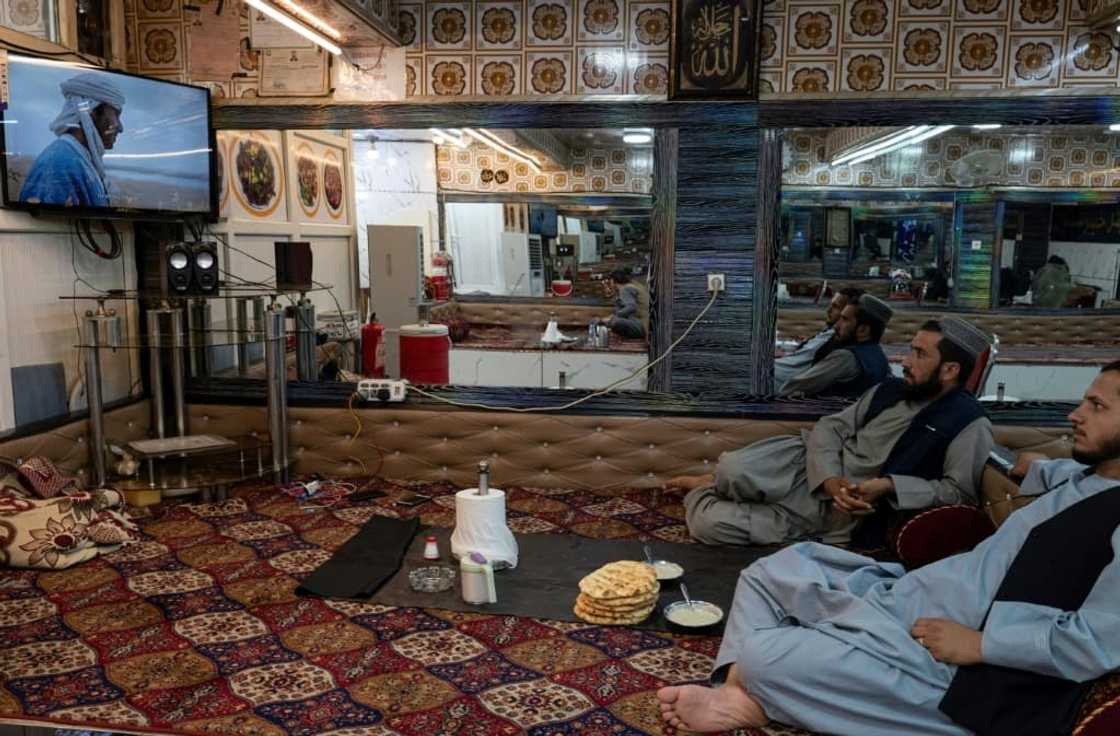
(81, 138)
(542, 220)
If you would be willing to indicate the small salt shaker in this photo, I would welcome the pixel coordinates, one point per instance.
(431, 549)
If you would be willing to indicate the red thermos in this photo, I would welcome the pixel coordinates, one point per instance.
(373, 348)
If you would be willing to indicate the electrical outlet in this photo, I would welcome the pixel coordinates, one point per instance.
(715, 282)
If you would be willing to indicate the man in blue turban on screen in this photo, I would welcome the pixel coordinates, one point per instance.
(70, 171)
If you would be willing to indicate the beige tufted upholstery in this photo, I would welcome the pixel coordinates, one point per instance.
(513, 313)
(1083, 328)
(546, 451)
(68, 446)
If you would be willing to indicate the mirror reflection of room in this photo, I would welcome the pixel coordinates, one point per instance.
(535, 249)
(997, 221)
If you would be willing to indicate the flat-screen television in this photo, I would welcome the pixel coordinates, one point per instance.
(91, 142)
(542, 220)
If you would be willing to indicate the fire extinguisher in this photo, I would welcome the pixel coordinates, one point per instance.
(373, 348)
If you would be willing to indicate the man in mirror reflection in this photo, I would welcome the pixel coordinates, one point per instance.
(631, 306)
(852, 361)
(906, 445)
(71, 170)
(801, 357)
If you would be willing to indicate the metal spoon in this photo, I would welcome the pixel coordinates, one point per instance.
(649, 554)
(684, 592)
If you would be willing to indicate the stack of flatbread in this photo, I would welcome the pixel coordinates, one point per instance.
(622, 593)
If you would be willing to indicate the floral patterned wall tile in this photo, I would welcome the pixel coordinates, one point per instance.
(600, 21)
(499, 75)
(412, 26)
(601, 70)
(449, 27)
(413, 75)
(161, 47)
(449, 75)
(648, 74)
(550, 23)
(480, 169)
(549, 72)
(499, 25)
(932, 45)
(649, 26)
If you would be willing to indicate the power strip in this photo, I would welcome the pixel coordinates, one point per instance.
(382, 389)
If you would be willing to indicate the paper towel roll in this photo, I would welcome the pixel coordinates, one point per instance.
(480, 526)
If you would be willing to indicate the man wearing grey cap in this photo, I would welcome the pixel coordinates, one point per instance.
(906, 445)
(852, 361)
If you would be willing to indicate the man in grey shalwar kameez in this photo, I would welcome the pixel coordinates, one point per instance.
(801, 357)
(816, 485)
(997, 641)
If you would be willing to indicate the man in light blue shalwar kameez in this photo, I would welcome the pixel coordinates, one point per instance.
(836, 643)
(70, 171)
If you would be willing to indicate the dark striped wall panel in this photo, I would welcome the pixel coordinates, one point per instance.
(717, 180)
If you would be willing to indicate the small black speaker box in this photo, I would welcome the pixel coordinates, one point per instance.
(293, 266)
(204, 261)
(178, 269)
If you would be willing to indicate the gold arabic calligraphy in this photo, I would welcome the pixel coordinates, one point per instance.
(714, 45)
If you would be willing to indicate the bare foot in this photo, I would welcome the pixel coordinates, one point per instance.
(688, 482)
(707, 709)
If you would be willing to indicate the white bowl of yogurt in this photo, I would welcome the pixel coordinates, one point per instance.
(699, 617)
(667, 570)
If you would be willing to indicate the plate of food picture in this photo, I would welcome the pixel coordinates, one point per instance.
(333, 190)
(220, 154)
(258, 179)
(308, 190)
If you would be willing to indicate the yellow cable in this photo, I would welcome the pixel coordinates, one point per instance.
(357, 419)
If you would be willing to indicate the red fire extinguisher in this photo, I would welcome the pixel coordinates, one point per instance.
(373, 348)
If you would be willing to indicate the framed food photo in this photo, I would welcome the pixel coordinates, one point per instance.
(256, 167)
(714, 49)
(317, 180)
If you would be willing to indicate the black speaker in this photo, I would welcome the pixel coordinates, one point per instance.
(293, 265)
(204, 261)
(181, 269)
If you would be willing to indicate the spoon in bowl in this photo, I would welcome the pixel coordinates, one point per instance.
(684, 592)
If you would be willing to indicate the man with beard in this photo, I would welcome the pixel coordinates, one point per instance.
(801, 357)
(852, 361)
(907, 444)
(1004, 640)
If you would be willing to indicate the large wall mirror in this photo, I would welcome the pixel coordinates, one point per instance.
(533, 247)
(1018, 227)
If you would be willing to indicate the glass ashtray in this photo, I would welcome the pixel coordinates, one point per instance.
(434, 579)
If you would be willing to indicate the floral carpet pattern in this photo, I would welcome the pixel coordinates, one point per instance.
(197, 630)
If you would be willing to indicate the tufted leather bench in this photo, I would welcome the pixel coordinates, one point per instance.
(513, 314)
(1083, 328)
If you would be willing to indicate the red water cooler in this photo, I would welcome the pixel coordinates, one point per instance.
(425, 354)
(373, 349)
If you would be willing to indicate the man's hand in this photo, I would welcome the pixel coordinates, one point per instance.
(874, 489)
(689, 482)
(843, 494)
(948, 641)
(1023, 463)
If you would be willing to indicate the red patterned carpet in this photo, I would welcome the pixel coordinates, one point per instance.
(197, 631)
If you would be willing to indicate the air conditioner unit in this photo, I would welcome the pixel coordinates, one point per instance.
(523, 261)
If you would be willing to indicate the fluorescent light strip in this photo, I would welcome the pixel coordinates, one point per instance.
(311, 19)
(454, 138)
(169, 154)
(289, 22)
(923, 136)
(878, 145)
(500, 145)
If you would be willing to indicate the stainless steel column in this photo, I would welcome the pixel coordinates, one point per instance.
(102, 328)
(178, 369)
(242, 336)
(155, 365)
(306, 364)
(200, 324)
(277, 375)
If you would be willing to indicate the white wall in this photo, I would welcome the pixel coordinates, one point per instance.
(38, 261)
(1095, 264)
(474, 237)
(395, 184)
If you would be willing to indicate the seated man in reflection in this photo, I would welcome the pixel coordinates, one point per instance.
(1003, 640)
(907, 444)
(852, 361)
(1052, 283)
(631, 306)
(801, 357)
(70, 171)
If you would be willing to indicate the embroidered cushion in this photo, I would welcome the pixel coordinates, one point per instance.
(1100, 713)
(45, 479)
(941, 532)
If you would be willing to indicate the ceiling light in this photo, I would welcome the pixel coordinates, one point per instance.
(907, 137)
(489, 139)
(1115, 127)
(291, 23)
(987, 126)
(454, 137)
(311, 19)
(636, 139)
(878, 145)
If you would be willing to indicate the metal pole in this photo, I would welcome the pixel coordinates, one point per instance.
(305, 340)
(178, 369)
(277, 372)
(242, 336)
(155, 344)
(200, 317)
(258, 323)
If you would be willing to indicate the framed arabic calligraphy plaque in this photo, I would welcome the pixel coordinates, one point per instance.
(714, 53)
